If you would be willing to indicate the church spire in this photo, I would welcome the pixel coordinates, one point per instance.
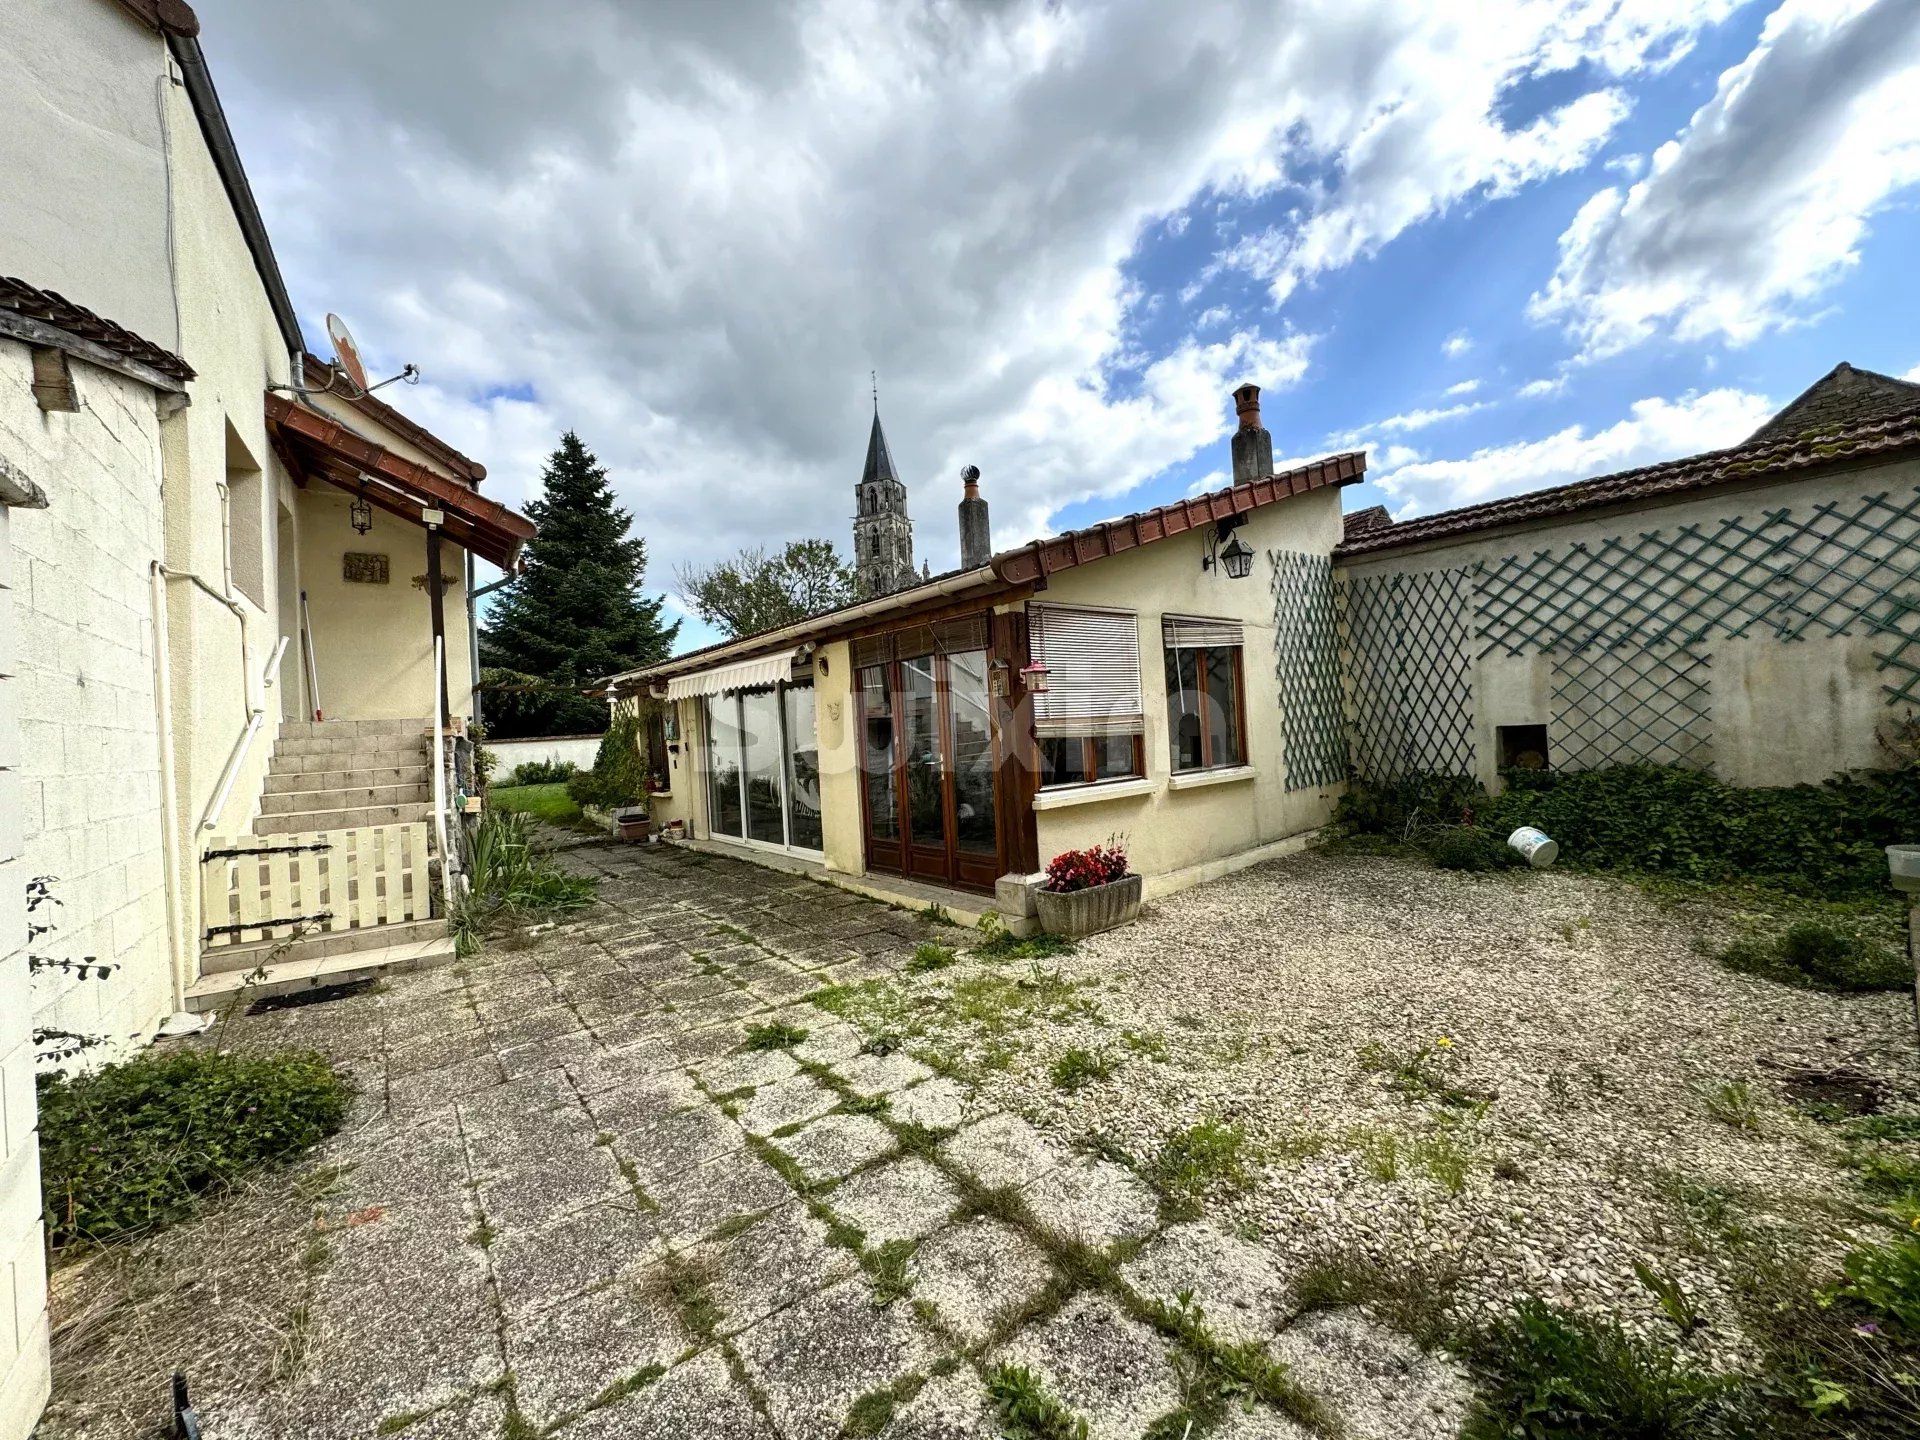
(882, 533)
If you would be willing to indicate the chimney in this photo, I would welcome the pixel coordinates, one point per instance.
(1252, 445)
(976, 540)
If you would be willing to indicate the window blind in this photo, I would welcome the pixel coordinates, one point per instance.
(1184, 632)
(1093, 671)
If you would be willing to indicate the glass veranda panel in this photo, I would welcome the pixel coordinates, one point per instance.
(803, 771)
(761, 754)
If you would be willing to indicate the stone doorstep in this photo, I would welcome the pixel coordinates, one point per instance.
(212, 992)
(283, 779)
(348, 819)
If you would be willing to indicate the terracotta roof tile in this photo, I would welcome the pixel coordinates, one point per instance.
(1859, 441)
(56, 310)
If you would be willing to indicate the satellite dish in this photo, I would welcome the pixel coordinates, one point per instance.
(346, 353)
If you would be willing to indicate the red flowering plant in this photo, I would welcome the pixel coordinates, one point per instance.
(1072, 870)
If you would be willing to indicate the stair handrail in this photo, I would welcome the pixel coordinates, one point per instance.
(440, 778)
(256, 717)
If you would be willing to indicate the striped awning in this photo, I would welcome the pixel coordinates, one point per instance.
(741, 675)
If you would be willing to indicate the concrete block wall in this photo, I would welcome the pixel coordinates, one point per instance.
(24, 1378)
(88, 779)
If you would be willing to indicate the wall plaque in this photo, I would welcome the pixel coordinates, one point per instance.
(362, 568)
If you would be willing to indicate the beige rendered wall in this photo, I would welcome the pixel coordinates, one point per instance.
(83, 151)
(1170, 829)
(24, 1377)
(373, 644)
(87, 786)
(840, 822)
(1782, 713)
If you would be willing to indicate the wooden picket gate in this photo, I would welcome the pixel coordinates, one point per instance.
(275, 887)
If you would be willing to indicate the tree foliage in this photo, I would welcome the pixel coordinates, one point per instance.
(576, 615)
(755, 591)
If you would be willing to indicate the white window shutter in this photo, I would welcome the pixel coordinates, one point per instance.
(1187, 632)
(1093, 671)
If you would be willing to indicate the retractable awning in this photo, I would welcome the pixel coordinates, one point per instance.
(741, 675)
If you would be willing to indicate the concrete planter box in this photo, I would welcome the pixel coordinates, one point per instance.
(1080, 913)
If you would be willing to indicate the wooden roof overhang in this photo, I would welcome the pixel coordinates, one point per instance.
(316, 447)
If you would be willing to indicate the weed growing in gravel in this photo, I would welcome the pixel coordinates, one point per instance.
(1444, 1158)
(875, 1006)
(1379, 1152)
(887, 1266)
(1420, 1073)
(1673, 1298)
(777, 1036)
(998, 943)
(1212, 1375)
(1077, 1067)
(1819, 955)
(1548, 1372)
(1027, 1411)
(1732, 1103)
(929, 956)
(869, 1414)
(1411, 1297)
(1196, 1163)
(1149, 1045)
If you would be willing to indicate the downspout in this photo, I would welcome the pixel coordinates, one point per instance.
(169, 802)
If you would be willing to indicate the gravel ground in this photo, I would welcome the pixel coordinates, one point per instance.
(1579, 1016)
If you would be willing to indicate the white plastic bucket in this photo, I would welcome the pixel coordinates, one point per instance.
(1540, 848)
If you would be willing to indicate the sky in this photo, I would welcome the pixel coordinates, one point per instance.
(1497, 246)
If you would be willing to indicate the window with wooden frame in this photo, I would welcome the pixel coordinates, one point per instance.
(1090, 721)
(1206, 693)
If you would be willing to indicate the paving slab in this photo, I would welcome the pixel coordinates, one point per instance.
(836, 1145)
(881, 1074)
(954, 1406)
(812, 1361)
(1377, 1382)
(698, 1399)
(975, 1273)
(790, 1102)
(566, 1356)
(1100, 1363)
(641, 1100)
(701, 1200)
(752, 1067)
(901, 1200)
(1237, 1284)
(1004, 1150)
(664, 1145)
(1260, 1423)
(1093, 1201)
(942, 1103)
(780, 1259)
(829, 1041)
(539, 1267)
(418, 1163)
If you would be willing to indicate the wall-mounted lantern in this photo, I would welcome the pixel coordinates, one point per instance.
(1237, 559)
(1034, 677)
(360, 513)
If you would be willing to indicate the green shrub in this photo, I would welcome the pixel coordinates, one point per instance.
(1886, 1280)
(136, 1146)
(1395, 808)
(509, 877)
(1462, 847)
(619, 775)
(542, 772)
(1819, 956)
(1551, 1375)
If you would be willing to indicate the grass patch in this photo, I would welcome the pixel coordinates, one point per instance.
(549, 803)
(1420, 1073)
(1412, 1298)
(1002, 944)
(136, 1146)
(687, 1285)
(875, 1006)
(1732, 1103)
(929, 956)
(1198, 1162)
(1547, 1373)
(1077, 1067)
(777, 1036)
(1027, 1410)
(887, 1267)
(1444, 1159)
(1820, 955)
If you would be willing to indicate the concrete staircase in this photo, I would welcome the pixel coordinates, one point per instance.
(336, 774)
(333, 883)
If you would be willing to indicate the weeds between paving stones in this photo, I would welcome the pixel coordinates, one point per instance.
(928, 956)
(869, 1414)
(1078, 1067)
(889, 1270)
(687, 1285)
(1027, 1411)
(780, 1035)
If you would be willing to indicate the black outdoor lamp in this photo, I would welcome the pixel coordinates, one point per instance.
(1237, 559)
(360, 512)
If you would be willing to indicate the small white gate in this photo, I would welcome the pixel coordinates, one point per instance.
(275, 887)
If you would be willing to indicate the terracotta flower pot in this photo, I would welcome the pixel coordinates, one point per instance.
(1078, 913)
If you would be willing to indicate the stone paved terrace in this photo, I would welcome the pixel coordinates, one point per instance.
(574, 1200)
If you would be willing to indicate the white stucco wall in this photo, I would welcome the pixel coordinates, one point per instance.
(89, 771)
(82, 149)
(570, 749)
(1782, 712)
(1168, 829)
(24, 1376)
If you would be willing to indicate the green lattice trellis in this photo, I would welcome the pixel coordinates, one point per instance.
(1631, 704)
(1306, 669)
(1409, 664)
(1832, 567)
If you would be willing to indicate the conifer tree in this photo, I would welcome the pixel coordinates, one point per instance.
(576, 615)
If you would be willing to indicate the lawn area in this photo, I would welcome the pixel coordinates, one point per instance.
(550, 803)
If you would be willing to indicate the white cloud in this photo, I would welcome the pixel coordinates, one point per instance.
(1655, 429)
(689, 230)
(1464, 387)
(1913, 375)
(1546, 385)
(1456, 345)
(1410, 421)
(1211, 316)
(1762, 201)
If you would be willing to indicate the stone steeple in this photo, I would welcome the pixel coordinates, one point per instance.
(882, 533)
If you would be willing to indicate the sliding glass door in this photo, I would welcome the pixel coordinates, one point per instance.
(763, 767)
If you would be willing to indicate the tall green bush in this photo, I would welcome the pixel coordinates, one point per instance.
(138, 1145)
